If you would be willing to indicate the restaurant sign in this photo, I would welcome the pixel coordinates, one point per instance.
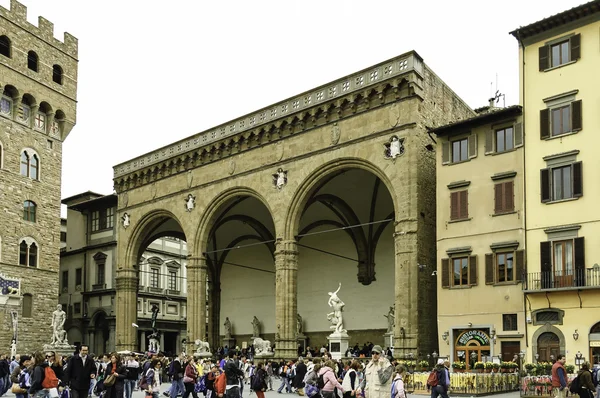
(478, 335)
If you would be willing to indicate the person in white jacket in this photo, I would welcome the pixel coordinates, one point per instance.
(398, 390)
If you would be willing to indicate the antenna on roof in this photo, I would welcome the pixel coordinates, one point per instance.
(497, 95)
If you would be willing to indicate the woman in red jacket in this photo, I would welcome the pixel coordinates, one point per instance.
(190, 377)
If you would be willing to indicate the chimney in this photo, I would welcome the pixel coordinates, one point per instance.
(492, 100)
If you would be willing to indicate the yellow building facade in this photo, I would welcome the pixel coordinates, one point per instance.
(480, 237)
(559, 59)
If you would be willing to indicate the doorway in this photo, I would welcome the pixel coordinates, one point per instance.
(548, 347)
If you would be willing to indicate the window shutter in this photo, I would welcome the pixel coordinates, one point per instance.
(546, 264)
(489, 142)
(544, 58)
(509, 196)
(520, 265)
(445, 152)
(472, 270)
(472, 146)
(489, 269)
(579, 261)
(518, 128)
(544, 124)
(454, 205)
(464, 204)
(498, 208)
(576, 121)
(545, 185)
(575, 45)
(445, 272)
(577, 179)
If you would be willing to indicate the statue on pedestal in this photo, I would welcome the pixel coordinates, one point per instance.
(391, 317)
(59, 335)
(153, 344)
(336, 317)
(227, 325)
(299, 328)
(202, 348)
(255, 327)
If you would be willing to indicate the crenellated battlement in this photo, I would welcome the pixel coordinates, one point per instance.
(44, 31)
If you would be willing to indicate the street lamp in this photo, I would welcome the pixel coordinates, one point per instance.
(579, 355)
(521, 356)
(552, 358)
(473, 359)
(435, 356)
(537, 357)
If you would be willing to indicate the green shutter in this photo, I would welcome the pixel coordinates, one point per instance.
(543, 55)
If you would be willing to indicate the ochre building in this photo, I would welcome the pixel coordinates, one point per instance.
(38, 81)
(280, 206)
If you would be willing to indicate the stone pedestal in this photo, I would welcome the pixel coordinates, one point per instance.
(302, 341)
(338, 344)
(388, 340)
(66, 350)
(269, 354)
(229, 342)
(202, 355)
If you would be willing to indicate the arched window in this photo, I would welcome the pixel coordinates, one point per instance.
(57, 74)
(32, 61)
(27, 305)
(33, 167)
(30, 164)
(28, 252)
(29, 211)
(5, 46)
(24, 164)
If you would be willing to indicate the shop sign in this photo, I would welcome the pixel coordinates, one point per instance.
(594, 343)
(477, 335)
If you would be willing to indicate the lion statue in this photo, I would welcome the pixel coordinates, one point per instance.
(202, 346)
(262, 346)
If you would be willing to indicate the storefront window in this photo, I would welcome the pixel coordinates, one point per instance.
(472, 345)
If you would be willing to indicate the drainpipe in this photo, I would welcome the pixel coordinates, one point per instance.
(520, 40)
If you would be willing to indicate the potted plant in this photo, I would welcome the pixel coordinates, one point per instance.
(529, 367)
(496, 367)
(488, 367)
(505, 367)
(570, 369)
(478, 367)
(458, 366)
(424, 365)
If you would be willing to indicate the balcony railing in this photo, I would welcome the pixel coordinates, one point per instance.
(573, 279)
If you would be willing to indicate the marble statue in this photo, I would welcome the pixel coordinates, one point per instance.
(255, 327)
(155, 311)
(154, 345)
(391, 317)
(13, 348)
(280, 178)
(299, 328)
(227, 328)
(126, 220)
(202, 346)
(14, 317)
(59, 335)
(393, 148)
(190, 202)
(262, 347)
(336, 317)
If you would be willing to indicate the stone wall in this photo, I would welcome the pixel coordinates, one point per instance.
(41, 281)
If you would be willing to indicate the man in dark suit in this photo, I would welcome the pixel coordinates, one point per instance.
(80, 371)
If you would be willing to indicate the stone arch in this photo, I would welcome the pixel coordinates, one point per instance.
(548, 328)
(308, 186)
(142, 234)
(208, 217)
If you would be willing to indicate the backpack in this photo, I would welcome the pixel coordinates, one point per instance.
(595, 377)
(283, 370)
(143, 383)
(575, 386)
(171, 368)
(432, 380)
(321, 381)
(50, 379)
(256, 383)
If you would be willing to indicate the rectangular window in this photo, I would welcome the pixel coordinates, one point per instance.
(460, 150)
(561, 120)
(559, 53)
(95, 220)
(459, 205)
(564, 182)
(505, 139)
(77, 308)
(509, 322)
(563, 258)
(110, 217)
(103, 219)
(460, 270)
(505, 267)
(63, 236)
(172, 280)
(100, 277)
(78, 277)
(504, 201)
(65, 280)
(154, 274)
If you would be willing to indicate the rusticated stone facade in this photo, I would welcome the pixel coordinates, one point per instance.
(38, 79)
(333, 144)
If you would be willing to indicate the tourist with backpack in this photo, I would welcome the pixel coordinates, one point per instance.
(398, 390)
(328, 382)
(259, 380)
(190, 377)
(285, 373)
(585, 388)
(150, 381)
(350, 380)
(559, 377)
(438, 380)
(41, 380)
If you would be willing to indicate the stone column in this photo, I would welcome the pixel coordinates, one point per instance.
(286, 298)
(406, 330)
(127, 286)
(196, 300)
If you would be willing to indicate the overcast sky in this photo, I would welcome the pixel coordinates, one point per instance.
(153, 72)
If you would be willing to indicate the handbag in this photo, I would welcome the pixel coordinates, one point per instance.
(110, 380)
(187, 379)
(310, 390)
(16, 389)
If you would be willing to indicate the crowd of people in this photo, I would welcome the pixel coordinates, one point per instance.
(84, 375)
